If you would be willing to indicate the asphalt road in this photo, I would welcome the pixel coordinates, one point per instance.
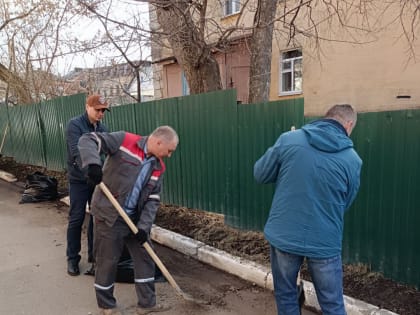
(34, 279)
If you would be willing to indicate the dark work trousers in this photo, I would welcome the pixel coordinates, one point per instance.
(109, 244)
(80, 195)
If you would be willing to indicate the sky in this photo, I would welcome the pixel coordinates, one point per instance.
(88, 29)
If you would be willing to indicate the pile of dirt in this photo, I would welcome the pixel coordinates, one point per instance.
(209, 228)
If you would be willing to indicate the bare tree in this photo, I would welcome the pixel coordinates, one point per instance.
(407, 13)
(127, 36)
(194, 32)
(33, 35)
(261, 51)
(188, 42)
(14, 82)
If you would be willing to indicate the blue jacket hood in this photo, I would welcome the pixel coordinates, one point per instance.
(327, 135)
(316, 173)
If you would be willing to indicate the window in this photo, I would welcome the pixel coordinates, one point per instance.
(185, 87)
(231, 7)
(291, 72)
(83, 83)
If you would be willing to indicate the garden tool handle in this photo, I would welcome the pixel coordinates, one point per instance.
(134, 229)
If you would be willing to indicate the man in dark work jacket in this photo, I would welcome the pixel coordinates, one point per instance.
(80, 190)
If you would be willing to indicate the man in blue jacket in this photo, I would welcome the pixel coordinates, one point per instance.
(317, 175)
(80, 191)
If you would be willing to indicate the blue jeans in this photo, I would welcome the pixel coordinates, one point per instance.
(327, 277)
(80, 194)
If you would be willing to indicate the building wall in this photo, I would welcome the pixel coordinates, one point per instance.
(234, 71)
(234, 63)
(370, 70)
(370, 75)
(172, 80)
(157, 81)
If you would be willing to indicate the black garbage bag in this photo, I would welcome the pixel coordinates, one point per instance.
(125, 269)
(39, 187)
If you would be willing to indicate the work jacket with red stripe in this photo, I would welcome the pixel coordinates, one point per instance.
(125, 155)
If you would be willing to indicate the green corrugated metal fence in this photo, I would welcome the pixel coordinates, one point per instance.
(220, 141)
(382, 227)
(55, 115)
(204, 158)
(36, 132)
(5, 142)
(25, 133)
(259, 125)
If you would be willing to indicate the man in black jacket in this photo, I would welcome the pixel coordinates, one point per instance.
(80, 190)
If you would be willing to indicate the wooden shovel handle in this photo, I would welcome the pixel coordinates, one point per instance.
(134, 229)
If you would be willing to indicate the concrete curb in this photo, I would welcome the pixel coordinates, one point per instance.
(246, 269)
(249, 270)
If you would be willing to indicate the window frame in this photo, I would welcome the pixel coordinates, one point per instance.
(185, 87)
(231, 4)
(291, 71)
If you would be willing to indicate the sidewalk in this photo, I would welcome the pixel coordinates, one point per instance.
(246, 269)
(249, 270)
(34, 280)
(242, 268)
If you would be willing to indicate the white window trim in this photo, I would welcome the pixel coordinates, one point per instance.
(290, 93)
(281, 93)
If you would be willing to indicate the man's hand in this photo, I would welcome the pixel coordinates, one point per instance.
(94, 174)
(141, 236)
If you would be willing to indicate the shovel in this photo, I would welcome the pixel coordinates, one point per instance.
(148, 248)
(301, 292)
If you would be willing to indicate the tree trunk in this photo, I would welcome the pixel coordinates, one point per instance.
(261, 49)
(137, 69)
(189, 47)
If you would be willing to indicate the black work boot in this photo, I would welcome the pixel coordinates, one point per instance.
(91, 270)
(73, 268)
